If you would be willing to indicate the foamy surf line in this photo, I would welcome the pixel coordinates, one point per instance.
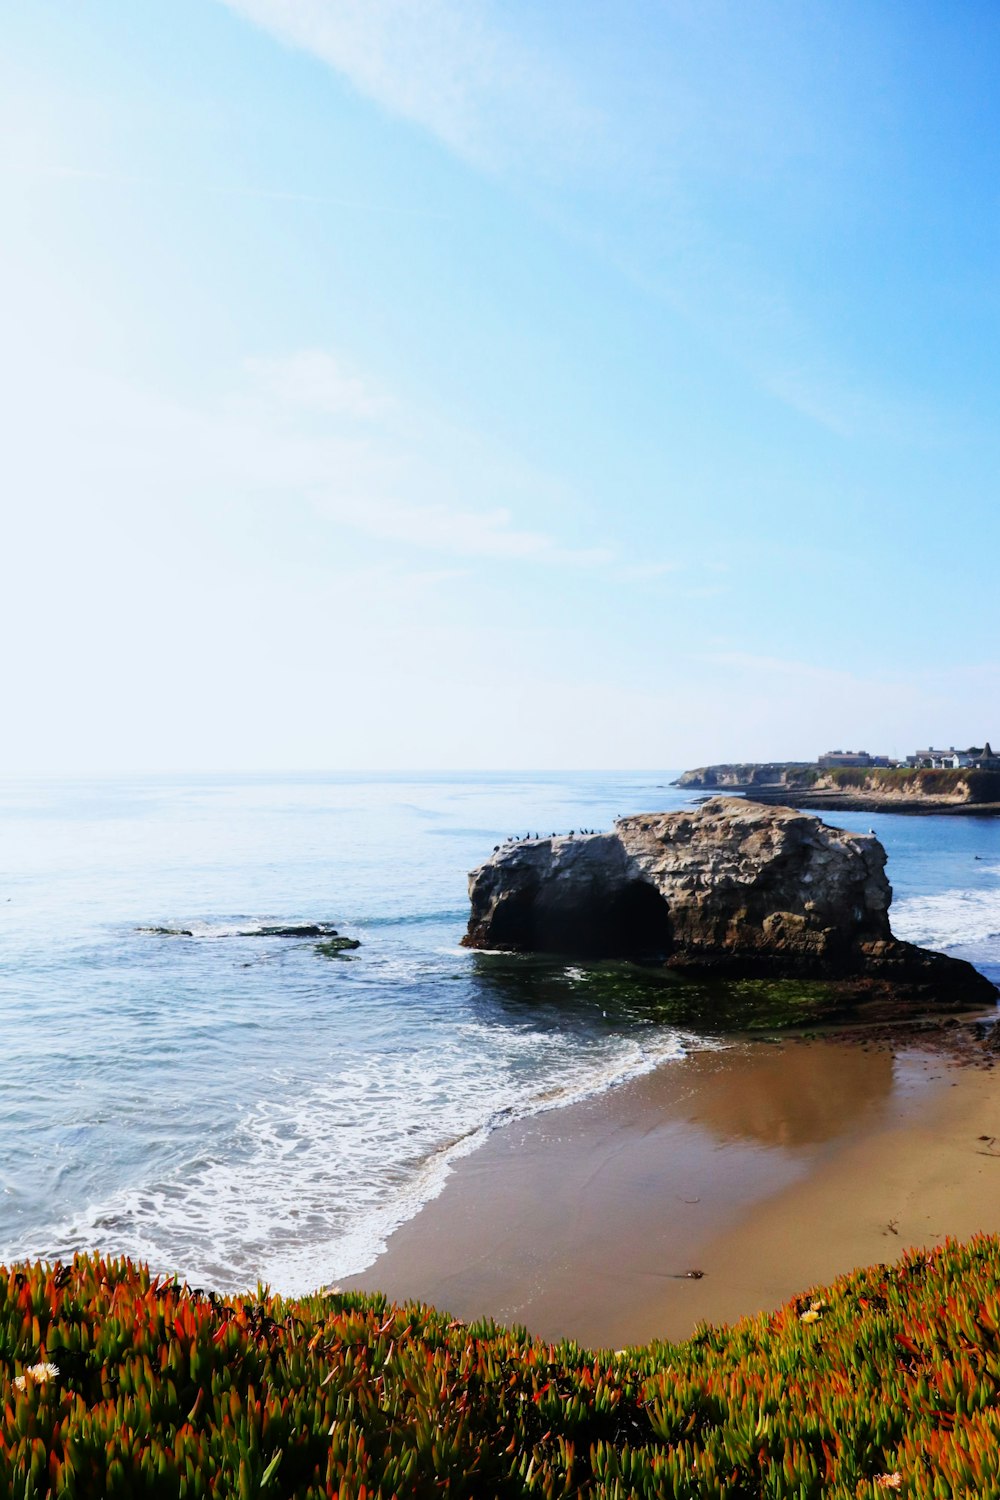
(220, 1230)
(438, 1168)
(948, 919)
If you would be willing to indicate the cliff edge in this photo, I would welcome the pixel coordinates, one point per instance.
(731, 888)
(853, 788)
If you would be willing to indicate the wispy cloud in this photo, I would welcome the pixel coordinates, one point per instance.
(450, 68)
(701, 106)
(452, 531)
(848, 408)
(307, 433)
(317, 381)
(373, 462)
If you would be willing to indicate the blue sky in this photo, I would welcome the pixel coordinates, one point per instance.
(438, 383)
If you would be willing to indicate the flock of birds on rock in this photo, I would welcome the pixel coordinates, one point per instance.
(528, 838)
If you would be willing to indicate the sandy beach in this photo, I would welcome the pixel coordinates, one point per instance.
(764, 1167)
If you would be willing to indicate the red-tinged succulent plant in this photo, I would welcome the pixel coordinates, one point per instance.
(113, 1383)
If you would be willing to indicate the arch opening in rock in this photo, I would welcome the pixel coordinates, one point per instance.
(639, 923)
(514, 924)
(630, 921)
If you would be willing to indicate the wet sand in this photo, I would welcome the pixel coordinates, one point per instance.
(766, 1167)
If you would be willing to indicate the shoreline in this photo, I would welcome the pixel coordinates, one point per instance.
(853, 801)
(766, 1168)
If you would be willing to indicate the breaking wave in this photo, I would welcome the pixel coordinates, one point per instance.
(956, 918)
(309, 1187)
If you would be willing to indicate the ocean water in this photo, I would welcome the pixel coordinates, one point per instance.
(236, 1106)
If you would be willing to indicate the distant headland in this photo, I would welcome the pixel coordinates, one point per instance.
(928, 781)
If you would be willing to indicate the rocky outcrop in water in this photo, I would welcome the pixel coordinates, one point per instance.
(324, 930)
(747, 774)
(731, 888)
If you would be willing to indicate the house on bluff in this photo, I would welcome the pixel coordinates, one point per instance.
(976, 758)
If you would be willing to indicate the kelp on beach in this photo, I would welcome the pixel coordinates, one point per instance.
(115, 1383)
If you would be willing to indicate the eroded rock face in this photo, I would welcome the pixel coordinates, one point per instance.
(731, 888)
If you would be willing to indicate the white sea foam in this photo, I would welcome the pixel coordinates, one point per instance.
(316, 1183)
(236, 927)
(950, 918)
(231, 927)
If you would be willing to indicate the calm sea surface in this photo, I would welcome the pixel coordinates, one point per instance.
(237, 1107)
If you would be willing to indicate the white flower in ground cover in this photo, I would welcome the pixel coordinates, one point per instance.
(893, 1481)
(39, 1374)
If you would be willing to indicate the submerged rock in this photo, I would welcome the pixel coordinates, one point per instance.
(273, 930)
(334, 946)
(731, 888)
(292, 930)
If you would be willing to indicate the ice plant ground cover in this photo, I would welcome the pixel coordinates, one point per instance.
(115, 1383)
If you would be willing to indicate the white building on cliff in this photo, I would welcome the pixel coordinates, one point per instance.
(975, 758)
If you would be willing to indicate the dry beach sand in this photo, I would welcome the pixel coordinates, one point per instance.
(765, 1167)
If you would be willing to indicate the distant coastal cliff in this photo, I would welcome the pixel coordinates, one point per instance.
(855, 788)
